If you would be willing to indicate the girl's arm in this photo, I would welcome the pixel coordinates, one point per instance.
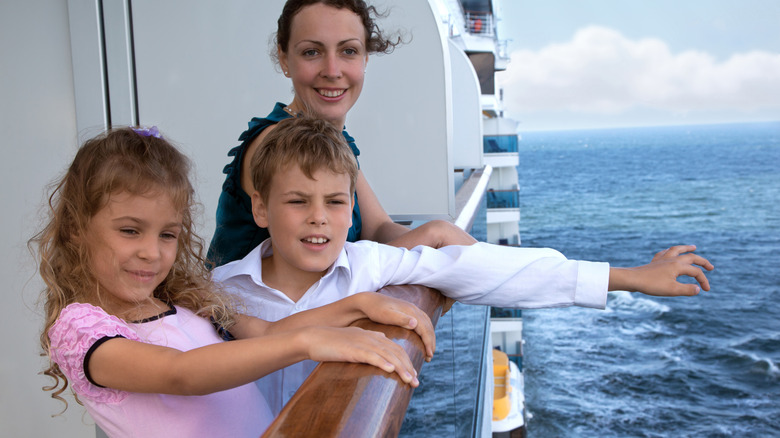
(377, 307)
(139, 367)
(378, 226)
(659, 277)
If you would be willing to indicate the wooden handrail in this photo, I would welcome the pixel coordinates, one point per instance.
(357, 400)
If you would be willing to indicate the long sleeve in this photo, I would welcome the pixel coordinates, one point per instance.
(497, 275)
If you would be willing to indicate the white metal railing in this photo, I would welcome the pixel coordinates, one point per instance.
(480, 23)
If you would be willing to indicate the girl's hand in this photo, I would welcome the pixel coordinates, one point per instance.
(353, 344)
(659, 277)
(392, 311)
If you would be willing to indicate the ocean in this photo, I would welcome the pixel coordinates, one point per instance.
(703, 366)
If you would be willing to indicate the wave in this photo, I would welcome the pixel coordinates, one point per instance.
(622, 300)
(759, 364)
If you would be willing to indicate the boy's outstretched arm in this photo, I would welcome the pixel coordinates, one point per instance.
(659, 277)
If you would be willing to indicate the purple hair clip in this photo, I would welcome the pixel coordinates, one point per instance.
(147, 132)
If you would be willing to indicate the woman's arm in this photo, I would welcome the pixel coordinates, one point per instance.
(436, 234)
(133, 366)
(378, 226)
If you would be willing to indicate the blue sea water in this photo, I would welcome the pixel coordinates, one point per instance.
(704, 366)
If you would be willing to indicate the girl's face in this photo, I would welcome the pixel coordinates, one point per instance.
(132, 242)
(326, 60)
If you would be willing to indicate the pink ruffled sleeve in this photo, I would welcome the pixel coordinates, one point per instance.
(76, 330)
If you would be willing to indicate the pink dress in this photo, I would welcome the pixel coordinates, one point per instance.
(238, 412)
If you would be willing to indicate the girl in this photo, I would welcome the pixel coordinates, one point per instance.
(323, 47)
(134, 323)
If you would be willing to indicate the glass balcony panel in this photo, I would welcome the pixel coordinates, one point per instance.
(499, 144)
(503, 199)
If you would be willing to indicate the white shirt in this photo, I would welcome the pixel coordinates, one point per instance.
(482, 273)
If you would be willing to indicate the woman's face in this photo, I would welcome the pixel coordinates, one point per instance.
(326, 60)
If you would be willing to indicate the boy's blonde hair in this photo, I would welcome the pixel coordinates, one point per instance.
(310, 143)
(120, 160)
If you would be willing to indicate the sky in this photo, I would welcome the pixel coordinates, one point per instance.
(580, 64)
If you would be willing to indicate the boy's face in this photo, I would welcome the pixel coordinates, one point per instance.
(308, 219)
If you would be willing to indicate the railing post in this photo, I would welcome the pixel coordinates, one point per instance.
(357, 400)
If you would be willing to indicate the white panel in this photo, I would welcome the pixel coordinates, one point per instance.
(509, 159)
(467, 114)
(38, 128)
(403, 120)
(87, 59)
(119, 62)
(202, 72)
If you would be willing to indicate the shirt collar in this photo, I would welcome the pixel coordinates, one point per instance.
(252, 265)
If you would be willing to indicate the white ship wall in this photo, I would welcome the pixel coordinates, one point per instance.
(38, 123)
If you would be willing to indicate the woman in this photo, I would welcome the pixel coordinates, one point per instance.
(323, 47)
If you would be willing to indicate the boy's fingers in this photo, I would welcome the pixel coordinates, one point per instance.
(689, 289)
(697, 274)
(680, 249)
(704, 263)
(702, 279)
(674, 251)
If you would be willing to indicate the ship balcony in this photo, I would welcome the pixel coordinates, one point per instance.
(506, 329)
(503, 216)
(480, 23)
(503, 206)
(499, 144)
(500, 150)
(503, 199)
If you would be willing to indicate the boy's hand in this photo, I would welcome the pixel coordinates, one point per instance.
(353, 344)
(659, 277)
(392, 311)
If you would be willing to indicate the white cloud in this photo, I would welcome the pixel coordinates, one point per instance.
(601, 71)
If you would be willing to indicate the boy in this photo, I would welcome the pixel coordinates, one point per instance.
(304, 175)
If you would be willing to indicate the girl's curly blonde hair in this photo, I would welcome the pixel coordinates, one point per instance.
(120, 160)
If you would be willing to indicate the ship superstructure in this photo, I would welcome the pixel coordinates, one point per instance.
(473, 28)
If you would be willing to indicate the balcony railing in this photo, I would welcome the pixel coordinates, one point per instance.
(499, 144)
(358, 400)
(479, 23)
(503, 199)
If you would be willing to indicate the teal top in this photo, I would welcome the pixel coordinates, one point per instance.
(237, 233)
